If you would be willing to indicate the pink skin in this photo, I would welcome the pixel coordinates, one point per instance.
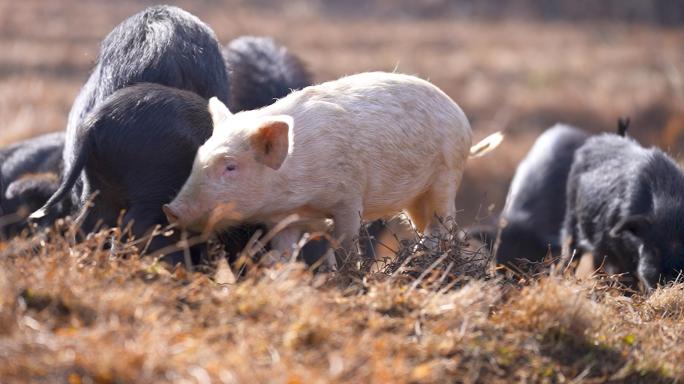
(233, 172)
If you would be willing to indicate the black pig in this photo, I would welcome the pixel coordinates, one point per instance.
(625, 206)
(535, 205)
(162, 44)
(29, 175)
(136, 150)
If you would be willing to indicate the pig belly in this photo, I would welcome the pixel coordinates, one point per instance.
(393, 196)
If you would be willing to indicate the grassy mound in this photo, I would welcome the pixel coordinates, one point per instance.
(81, 313)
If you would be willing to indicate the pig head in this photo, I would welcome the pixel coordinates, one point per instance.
(235, 175)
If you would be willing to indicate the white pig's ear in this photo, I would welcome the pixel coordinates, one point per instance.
(219, 112)
(272, 140)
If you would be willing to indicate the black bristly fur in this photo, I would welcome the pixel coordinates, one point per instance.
(625, 206)
(29, 174)
(136, 149)
(261, 72)
(535, 206)
(162, 44)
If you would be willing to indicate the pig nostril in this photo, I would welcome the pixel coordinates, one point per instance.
(171, 216)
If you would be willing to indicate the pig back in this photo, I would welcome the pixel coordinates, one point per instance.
(537, 192)
(385, 136)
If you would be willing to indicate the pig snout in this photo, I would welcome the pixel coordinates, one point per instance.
(184, 216)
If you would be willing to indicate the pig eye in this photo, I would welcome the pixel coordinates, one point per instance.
(227, 166)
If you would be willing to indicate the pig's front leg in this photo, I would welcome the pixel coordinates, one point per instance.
(284, 242)
(347, 226)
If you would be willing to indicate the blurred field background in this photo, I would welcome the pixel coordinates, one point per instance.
(518, 66)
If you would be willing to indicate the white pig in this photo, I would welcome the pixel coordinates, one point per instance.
(365, 146)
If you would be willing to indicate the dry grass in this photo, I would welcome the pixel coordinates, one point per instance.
(80, 313)
(77, 313)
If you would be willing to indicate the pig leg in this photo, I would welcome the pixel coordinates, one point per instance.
(568, 235)
(430, 210)
(417, 213)
(442, 201)
(442, 207)
(284, 242)
(347, 226)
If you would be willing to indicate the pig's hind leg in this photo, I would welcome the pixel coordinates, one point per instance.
(431, 211)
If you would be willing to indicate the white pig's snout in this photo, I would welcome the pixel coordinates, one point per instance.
(183, 216)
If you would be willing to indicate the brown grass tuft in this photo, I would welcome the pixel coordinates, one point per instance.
(667, 303)
(79, 312)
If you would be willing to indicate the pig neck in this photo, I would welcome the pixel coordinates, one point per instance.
(282, 199)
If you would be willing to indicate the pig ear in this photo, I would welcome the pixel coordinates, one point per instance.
(635, 225)
(219, 112)
(272, 141)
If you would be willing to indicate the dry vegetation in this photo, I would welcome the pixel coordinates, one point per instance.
(79, 313)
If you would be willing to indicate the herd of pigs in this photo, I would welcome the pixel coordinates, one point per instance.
(171, 129)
